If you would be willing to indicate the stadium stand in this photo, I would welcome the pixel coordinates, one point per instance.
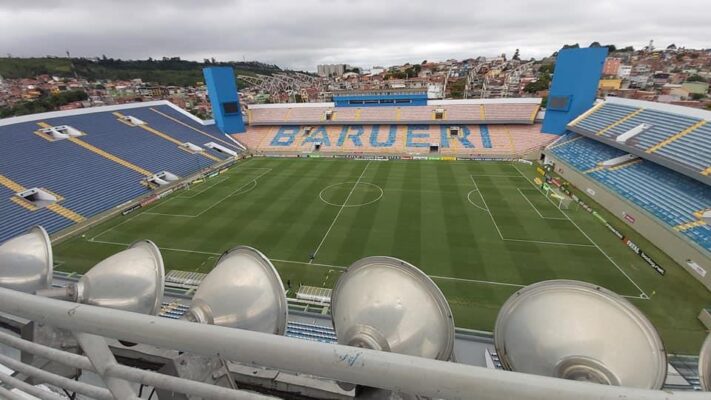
(312, 332)
(509, 111)
(504, 140)
(671, 197)
(98, 170)
(676, 136)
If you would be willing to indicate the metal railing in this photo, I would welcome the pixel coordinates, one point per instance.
(395, 372)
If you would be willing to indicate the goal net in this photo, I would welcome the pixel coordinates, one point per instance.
(560, 199)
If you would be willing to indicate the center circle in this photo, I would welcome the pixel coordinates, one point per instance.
(351, 194)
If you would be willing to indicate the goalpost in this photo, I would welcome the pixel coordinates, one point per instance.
(560, 199)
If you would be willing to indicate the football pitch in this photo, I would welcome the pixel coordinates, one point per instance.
(482, 230)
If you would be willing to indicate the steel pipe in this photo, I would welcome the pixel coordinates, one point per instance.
(383, 370)
(56, 380)
(8, 395)
(101, 358)
(27, 388)
(149, 378)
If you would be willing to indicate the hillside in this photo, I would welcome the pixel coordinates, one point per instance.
(167, 71)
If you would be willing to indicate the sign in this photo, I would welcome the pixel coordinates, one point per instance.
(615, 231)
(131, 209)
(628, 218)
(148, 201)
(697, 268)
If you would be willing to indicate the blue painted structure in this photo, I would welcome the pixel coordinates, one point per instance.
(381, 100)
(574, 86)
(222, 91)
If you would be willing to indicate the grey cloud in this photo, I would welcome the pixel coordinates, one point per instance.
(301, 34)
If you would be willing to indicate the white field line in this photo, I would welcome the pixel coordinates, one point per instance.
(311, 264)
(521, 240)
(114, 227)
(534, 207)
(496, 176)
(551, 243)
(487, 208)
(139, 213)
(313, 256)
(234, 192)
(643, 295)
(204, 188)
(447, 278)
(339, 267)
(474, 204)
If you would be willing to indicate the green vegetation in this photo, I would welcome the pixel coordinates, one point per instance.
(167, 71)
(696, 78)
(47, 102)
(545, 74)
(456, 88)
(482, 230)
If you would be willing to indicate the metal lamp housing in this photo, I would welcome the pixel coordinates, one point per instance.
(131, 280)
(26, 261)
(579, 331)
(387, 304)
(705, 364)
(243, 291)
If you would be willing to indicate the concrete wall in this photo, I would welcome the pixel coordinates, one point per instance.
(674, 244)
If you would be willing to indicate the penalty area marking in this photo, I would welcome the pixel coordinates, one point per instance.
(642, 295)
(536, 209)
(474, 204)
(238, 191)
(320, 194)
(498, 230)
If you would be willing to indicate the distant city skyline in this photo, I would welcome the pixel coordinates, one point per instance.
(303, 34)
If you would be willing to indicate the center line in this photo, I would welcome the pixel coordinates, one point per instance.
(313, 256)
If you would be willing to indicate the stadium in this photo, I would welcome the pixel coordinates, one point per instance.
(571, 241)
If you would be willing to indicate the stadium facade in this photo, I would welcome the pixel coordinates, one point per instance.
(68, 171)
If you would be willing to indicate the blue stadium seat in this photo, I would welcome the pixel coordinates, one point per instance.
(691, 151)
(666, 194)
(89, 182)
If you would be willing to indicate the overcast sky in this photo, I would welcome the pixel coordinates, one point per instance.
(303, 33)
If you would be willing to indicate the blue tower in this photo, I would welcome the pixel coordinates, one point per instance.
(574, 87)
(222, 91)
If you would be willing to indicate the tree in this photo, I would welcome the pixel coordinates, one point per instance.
(595, 44)
(696, 78)
(546, 69)
(516, 55)
(628, 49)
(697, 96)
(456, 89)
(571, 46)
(671, 47)
(537, 86)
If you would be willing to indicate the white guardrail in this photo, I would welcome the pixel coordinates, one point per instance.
(395, 372)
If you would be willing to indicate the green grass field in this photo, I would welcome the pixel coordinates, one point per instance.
(481, 230)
